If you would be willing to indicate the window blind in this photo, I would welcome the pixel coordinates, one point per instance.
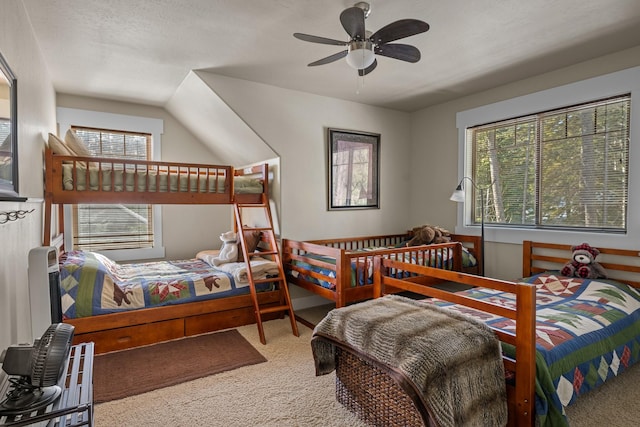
(564, 168)
(118, 226)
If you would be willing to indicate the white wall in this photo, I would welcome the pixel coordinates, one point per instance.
(294, 124)
(434, 150)
(36, 118)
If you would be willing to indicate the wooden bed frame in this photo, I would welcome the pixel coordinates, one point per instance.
(129, 329)
(348, 255)
(118, 331)
(55, 192)
(355, 373)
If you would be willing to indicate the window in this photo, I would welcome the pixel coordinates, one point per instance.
(115, 135)
(561, 169)
(8, 133)
(615, 229)
(353, 170)
(107, 227)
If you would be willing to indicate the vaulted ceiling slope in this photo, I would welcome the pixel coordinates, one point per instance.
(199, 108)
(142, 51)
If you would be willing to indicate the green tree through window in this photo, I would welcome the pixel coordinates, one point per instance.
(565, 168)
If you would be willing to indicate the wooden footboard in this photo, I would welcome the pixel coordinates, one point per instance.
(341, 264)
(620, 264)
(118, 331)
(520, 389)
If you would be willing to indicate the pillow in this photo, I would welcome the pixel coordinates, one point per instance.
(251, 238)
(208, 253)
(76, 145)
(58, 146)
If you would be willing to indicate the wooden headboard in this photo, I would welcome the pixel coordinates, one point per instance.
(620, 264)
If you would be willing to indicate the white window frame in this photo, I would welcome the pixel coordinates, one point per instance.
(614, 84)
(68, 117)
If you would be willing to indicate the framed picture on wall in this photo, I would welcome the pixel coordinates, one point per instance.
(353, 170)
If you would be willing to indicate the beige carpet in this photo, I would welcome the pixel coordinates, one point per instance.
(284, 391)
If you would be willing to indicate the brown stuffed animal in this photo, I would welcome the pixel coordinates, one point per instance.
(442, 235)
(428, 234)
(421, 236)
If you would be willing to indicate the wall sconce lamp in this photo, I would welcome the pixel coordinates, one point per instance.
(459, 197)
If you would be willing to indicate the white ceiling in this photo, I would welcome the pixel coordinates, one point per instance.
(141, 50)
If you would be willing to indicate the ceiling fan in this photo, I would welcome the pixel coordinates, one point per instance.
(363, 45)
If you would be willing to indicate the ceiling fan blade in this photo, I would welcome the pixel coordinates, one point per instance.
(329, 59)
(398, 30)
(403, 52)
(317, 39)
(352, 20)
(369, 69)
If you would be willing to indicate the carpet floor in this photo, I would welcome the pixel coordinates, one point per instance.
(284, 392)
(130, 372)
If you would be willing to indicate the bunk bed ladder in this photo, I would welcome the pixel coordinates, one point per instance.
(268, 249)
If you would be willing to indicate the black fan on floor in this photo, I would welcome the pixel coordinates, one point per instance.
(363, 45)
(38, 369)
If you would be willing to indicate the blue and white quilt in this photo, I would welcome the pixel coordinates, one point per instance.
(92, 284)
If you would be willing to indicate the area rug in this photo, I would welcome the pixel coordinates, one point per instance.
(130, 372)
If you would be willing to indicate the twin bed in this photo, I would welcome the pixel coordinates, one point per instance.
(122, 306)
(76, 179)
(561, 337)
(341, 270)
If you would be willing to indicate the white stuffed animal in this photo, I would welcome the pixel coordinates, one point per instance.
(229, 250)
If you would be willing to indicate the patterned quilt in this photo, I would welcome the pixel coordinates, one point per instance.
(92, 284)
(587, 332)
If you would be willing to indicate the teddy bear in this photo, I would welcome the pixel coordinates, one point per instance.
(583, 263)
(229, 250)
(428, 234)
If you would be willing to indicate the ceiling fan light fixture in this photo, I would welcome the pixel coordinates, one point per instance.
(363, 46)
(360, 54)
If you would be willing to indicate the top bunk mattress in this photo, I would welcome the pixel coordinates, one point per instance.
(77, 177)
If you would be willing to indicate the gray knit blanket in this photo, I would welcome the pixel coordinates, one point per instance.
(453, 362)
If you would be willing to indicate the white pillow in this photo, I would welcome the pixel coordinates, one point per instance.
(59, 147)
(76, 145)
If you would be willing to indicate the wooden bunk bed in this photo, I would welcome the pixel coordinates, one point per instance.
(522, 316)
(335, 268)
(68, 180)
(74, 180)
